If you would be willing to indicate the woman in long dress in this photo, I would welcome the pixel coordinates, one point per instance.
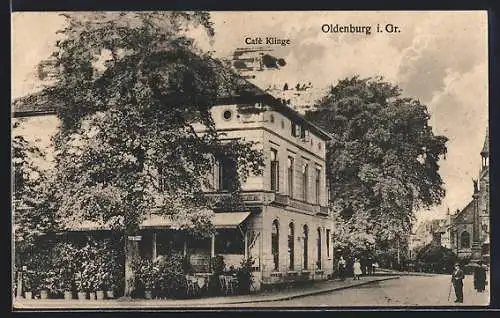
(357, 269)
(480, 277)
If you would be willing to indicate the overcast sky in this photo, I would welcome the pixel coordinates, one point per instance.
(439, 58)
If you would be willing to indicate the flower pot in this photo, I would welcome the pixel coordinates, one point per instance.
(92, 296)
(28, 295)
(82, 295)
(110, 294)
(99, 295)
(148, 294)
(68, 295)
(44, 294)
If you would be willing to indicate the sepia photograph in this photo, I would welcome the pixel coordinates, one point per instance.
(249, 159)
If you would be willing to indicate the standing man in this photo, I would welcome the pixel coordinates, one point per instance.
(457, 280)
(342, 266)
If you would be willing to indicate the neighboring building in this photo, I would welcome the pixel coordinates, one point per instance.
(427, 232)
(469, 229)
(286, 225)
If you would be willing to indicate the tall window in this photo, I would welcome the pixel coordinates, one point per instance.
(305, 178)
(275, 234)
(274, 170)
(465, 239)
(317, 185)
(290, 176)
(291, 246)
(306, 242)
(328, 243)
(318, 247)
(227, 171)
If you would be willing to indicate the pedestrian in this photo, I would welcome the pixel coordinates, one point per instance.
(356, 267)
(457, 280)
(342, 266)
(480, 277)
(370, 266)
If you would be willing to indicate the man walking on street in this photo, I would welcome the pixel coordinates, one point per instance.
(457, 280)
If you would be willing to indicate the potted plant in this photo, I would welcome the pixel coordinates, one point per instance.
(81, 286)
(244, 275)
(147, 274)
(99, 281)
(28, 284)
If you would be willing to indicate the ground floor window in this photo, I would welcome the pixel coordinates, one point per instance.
(318, 246)
(275, 244)
(306, 242)
(229, 241)
(291, 246)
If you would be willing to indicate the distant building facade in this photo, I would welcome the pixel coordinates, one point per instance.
(467, 232)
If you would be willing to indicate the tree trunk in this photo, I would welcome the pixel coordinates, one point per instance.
(131, 254)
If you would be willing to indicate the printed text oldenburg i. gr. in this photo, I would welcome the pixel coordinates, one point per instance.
(366, 29)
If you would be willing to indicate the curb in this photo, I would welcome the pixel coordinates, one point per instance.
(262, 299)
(309, 293)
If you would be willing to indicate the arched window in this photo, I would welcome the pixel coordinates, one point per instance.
(318, 247)
(465, 239)
(275, 234)
(291, 246)
(306, 242)
(305, 182)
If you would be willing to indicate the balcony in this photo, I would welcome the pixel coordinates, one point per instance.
(268, 197)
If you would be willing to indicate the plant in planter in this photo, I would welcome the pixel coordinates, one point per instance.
(63, 263)
(48, 284)
(28, 284)
(147, 274)
(244, 275)
(81, 285)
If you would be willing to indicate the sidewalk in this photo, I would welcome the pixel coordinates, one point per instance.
(314, 289)
(385, 271)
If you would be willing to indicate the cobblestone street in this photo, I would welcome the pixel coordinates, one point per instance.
(406, 291)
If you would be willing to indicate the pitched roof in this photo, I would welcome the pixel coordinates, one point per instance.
(486, 145)
(238, 90)
(466, 215)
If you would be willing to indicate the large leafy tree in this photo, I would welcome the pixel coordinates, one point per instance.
(33, 216)
(134, 96)
(382, 161)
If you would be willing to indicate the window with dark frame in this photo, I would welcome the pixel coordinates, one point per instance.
(274, 170)
(227, 169)
(328, 243)
(275, 244)
(318, 247)
(306, 242)
(317, 185)
(290, 176)
(305, 181)
(291, 246)
(465, 240)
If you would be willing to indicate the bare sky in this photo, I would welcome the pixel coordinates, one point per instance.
(439, 58)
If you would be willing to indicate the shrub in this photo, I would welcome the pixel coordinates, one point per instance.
(172, 276)
(244, 275)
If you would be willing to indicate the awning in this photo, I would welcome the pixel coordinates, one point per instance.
(224, 220)
(229, 220)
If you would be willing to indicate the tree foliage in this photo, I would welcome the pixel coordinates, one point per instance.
(33, 216)
(382, 161)
(136, 131)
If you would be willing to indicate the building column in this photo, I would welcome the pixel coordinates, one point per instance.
(212, 245)
(154, 246)
(246, 244)
(131, 254)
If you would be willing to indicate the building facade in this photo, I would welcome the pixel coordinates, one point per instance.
(469, 229)
(285, 225)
